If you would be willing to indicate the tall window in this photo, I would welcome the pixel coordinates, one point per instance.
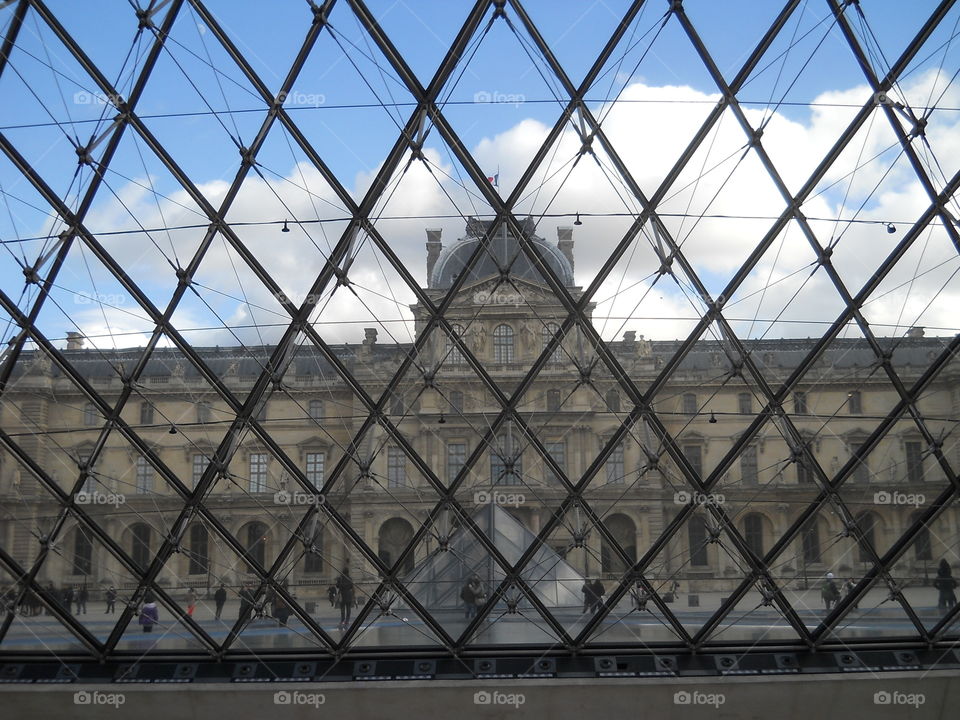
(314, 468)
(811, 541)
(452, 351)
(89, 415)
(745, 403)
(804, 471)
(90, 480)
(868, 525)
(548, 333)
(313, 559)
(198, 467)
(921, 546)
(456, 400)
(315, 409)
(262, 412)
(689, 404)
(146, 413)
(748, 465)
(456, 459)
(140, 547)
(854, 404)
(800, 402)
(503, 344)
(258, 473)
(256, 544)
(697, 539)
(693, 452)
(82, 552)
(199, 560)
(506, 463)
(914, 452)
(613, 401)
(861, 472)
(753, 533)
(615, 465)
(557, 451)
(203, 411)
(397, 406)
(396, 467)
(144, 476)
(553, 400)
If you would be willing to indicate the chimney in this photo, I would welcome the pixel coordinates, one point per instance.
(369, 336)
(433, 250)
(914, 332)
(74, 341)
(565, 243)
(630, 337)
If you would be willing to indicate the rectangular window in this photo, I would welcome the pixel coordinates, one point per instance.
(315, 408)
(861, 472)
(146, 413)
(203, 411)
(456, 400)
(694, 456)
(745, 404)
(914, 451)
(89, 415)
(258, 473)
(557, 451)
(144, 476)
(456, 459)
(262, 412)
(854, 404)
(199, 466)
(506, 462)
(90, 482)
(553, 400)
(689, 404)
(314, 468)
(800, 402)
(615, 465)
(198, 550)
(748, 465)
(804, 471)
(396, 468)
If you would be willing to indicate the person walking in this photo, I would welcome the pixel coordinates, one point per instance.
(847, 588)
(946, 584)
(345, 592)
(149, 614)
(246, 600)
(473, 596)
(220, 599)
(587, 591)
(332, 595)
(281, 611)
(111, 598)
(829, 591)
(191, 601)
(82, 595)
(68, 599)
(598, 592)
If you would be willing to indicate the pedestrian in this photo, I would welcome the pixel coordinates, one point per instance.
(345, 592)
(598, 592)
(246, 600)
(332, 595)
(587, 591)
(473, 596)
(848, 588)
(191, 601)
(149, 614)
(829, 591)
(220, 598)
(946, 584)
(111, 598)
(68, 599)
(281, 611)
(82, 596)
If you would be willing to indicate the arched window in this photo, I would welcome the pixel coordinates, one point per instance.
(395, 535)
(453, 354)
(624, 531)
(613, 400)
(868, 523)
(697, 539)
(140, 547)
(82, 552)
(503, 344)
(753, 532)
(548, 333)
(199, 540)
(255, 539)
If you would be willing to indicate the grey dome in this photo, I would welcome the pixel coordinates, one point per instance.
(503, 251)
